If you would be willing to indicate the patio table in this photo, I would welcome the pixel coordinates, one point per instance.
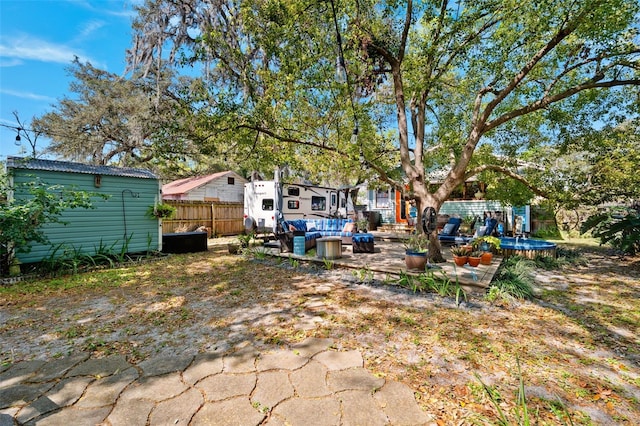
(329, 247)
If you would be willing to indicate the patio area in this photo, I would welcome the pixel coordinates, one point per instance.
(388, 259)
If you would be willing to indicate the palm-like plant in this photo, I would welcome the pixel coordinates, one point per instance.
(619, 227)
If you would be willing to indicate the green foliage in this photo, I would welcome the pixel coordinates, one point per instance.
(507, 191)
(515, 277)
(619, 227)
(362, 224)
(492, 242)
(429, 281)
(138, 119)
(294, 263)
(65, 259)
(459, 251)
(328, 264)
(22, 218)
(417, 242)
(548, 232)
(161, 211)
(363, 275)
(260, 253)
(245, 239)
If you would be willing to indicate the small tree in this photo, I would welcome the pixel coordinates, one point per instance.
(22, 219)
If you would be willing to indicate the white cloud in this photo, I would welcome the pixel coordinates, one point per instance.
(125, 9)
(89, 27)
(27, 95)
(32, 48)
(10, 62)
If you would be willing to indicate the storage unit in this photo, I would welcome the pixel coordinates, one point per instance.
(184, 242)
(118, 223)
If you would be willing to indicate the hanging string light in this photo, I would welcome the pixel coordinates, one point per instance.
(342, 76)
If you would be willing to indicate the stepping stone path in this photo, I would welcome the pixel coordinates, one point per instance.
(308, 384)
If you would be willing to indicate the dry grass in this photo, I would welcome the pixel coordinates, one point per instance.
(577, 343)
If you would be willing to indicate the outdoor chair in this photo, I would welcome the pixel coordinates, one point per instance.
(449, 232)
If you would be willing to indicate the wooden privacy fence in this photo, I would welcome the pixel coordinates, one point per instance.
(217, 217)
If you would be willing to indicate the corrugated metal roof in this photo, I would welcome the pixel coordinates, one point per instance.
(182, 186)
(69, 167)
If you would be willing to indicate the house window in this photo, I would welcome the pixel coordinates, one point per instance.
(318, 203)
(382, 199)
(267, 204)
(295, 192)
(293, 204)
(231, 180)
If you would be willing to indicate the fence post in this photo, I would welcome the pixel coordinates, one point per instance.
(213, 220)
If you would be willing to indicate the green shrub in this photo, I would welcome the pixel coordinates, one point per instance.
(515, 277)
(548, 232)
(23, 217)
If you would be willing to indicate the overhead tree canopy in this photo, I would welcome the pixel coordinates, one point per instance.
(123, 121)
(505, 74)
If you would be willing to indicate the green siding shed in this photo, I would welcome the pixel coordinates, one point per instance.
(116, 223)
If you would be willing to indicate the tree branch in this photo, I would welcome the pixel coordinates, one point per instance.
(505, 171)
(594, 83)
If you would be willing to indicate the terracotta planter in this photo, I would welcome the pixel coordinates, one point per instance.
(415, 260)
(474, 261)
(460, 260)
(486, 258)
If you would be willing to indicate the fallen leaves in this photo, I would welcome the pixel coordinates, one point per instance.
(194, 302)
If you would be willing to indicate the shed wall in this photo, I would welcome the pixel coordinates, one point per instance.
(108, 225)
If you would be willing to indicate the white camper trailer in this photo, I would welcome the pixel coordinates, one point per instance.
(262, 204)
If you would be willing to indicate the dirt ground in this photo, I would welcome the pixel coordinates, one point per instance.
(577, 344)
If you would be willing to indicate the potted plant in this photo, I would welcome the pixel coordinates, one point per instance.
(460, 255)
(488, 245)
(363, 225)
(416, 251)
(465, 226)
(161, 211)
(474, 258)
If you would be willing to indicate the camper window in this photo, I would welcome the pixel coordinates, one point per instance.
(267, 204)
(293, 191)
(293, 204)
(318, 203)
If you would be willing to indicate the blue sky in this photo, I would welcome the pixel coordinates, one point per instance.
(38, 41)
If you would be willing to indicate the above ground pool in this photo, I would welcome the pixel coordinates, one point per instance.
(526, 247)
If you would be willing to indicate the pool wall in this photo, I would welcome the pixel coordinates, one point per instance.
(528, 248)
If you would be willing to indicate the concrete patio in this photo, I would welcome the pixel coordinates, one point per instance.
(388, 260)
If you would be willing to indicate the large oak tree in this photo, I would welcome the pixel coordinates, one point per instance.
(472, 85)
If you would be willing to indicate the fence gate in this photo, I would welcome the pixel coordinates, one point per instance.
(217, 217)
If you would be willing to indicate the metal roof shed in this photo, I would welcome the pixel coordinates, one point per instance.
(118, 223)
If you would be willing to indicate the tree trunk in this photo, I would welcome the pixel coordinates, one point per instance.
(425, 200)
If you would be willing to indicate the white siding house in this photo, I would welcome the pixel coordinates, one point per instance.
(222, 187)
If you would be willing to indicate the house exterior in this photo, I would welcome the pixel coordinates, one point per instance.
(118, 223)
(467, 201)
(222, 187)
